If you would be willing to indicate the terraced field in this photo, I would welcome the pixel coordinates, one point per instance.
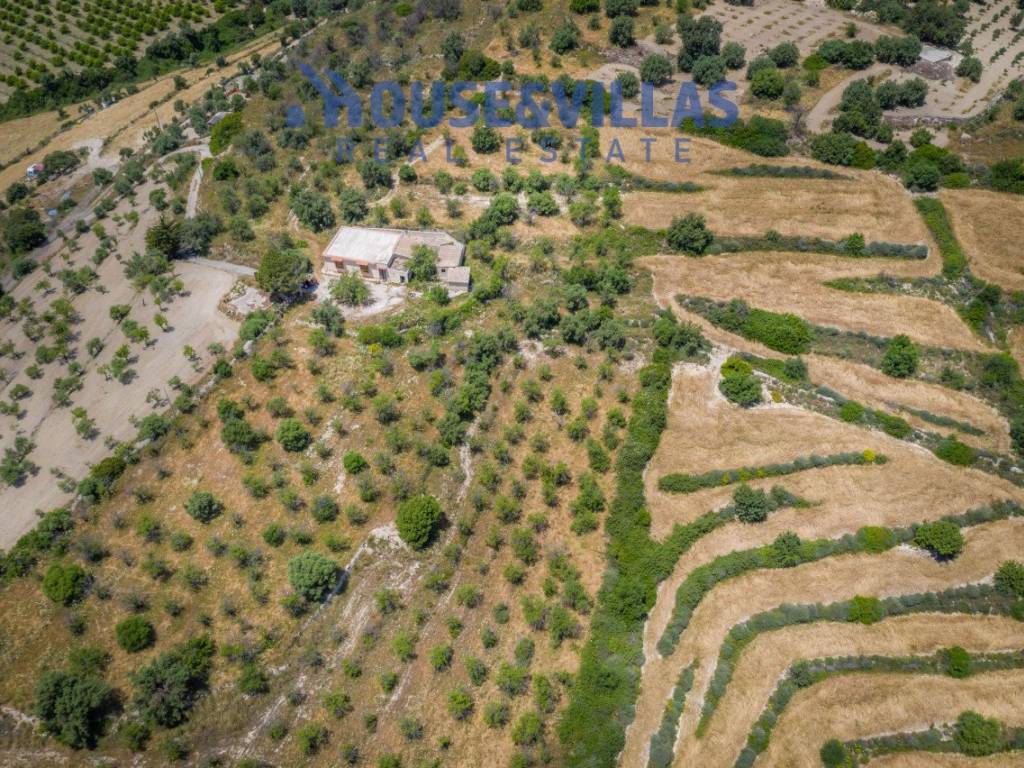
(716, 463)
(700, 622)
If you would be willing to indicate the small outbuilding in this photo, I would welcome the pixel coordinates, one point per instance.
(934, 55)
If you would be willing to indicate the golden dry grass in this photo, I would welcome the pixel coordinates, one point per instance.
(24, 134)
(875, 206)
(900, 571)
(914, 484)
(988, 227)
(788, 282)
(945, 760)
(850, 706)
(874, 388)
(764, 662)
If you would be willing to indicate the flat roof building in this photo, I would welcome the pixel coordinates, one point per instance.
(934, 55)
(383, 255)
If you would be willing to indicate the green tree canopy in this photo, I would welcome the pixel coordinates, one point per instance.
(283, 272)
(72, 707)
(418, 520)
(312, 575)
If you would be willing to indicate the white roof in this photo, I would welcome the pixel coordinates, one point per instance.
(935, 55)
(457, 275)
(379, 246)
(373, 246)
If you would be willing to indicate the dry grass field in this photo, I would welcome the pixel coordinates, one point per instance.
(899, 571)
(877, 208)
(512, 634)
(874, 388)
(771, 654)
(846, 707)
(940, 760)
(787, 282)
(985, 222)
(913, 485)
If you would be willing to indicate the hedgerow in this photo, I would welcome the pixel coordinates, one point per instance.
(761, 135)
(783, 172)
(783, 332)
(662, 747)
(685, 483)
(973, 599)
(935, 739)
(592, 728)
(853, 246)
(783, 554)
(804, 674)
(954, 263)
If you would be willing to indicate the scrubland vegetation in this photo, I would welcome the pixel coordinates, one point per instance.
(403, 526)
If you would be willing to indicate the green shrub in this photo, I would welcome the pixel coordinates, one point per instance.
(958, 662)
(64, 584)
(785, 333)
(892, 425)
(441, 657)
(418, 520)
(851, 411)
(955, 452)
(312, 575)
(833, 754)
(866, 610)
(875, 539)
(689, 234)
(528, 729)
(168, 687)
(311, 737)
(943, 539)
(744, 390)
(460, 703)
(354, 462)
(203, 506)
(978, 736)
(252, 680)
(72, 707)
(752, 506)
(900, 358)
(1009, 579)
(135, 634)
(325, 509)
(292, 436)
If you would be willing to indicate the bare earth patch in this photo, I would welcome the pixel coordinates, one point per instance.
(194, 319)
